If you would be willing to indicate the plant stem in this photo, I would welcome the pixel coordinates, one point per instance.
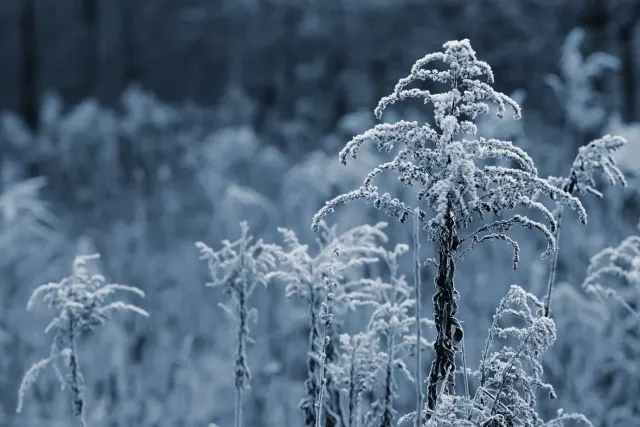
(416, 282)
(323, 379)
(241, 367)
(352, 388)
(445, 308)
(554, 263)
(387, 415)
(311, 386)
(76, 377)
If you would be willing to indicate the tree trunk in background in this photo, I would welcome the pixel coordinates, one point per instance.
(292, 16)
(236, 41)
(625, 38)
(92, 47)
(634, 53)
(30, 66)
(130, 69)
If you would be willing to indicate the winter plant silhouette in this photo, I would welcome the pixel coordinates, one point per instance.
(311, 277)
(237, 268)
(459, 179)
(597, 156)
(81, 304)
(456, 183)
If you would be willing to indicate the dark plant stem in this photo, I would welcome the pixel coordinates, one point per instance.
(76, 377)
(387, 414)
(569, 187)
(554, 264)
(311, 386)
(323, 378)
(417, 286)
(241, 372)
(352, 390)
(334, 414)
(445, 308)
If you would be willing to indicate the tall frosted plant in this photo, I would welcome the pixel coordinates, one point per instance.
(597, 156)
(237, 268)
(456, 182)
(81, 302)
(418, 285)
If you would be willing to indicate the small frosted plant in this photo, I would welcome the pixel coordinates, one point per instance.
(308, 276)
(392, 319)
(509, 375)
(592, 159)
(81, 303)
(238, 268)
(355, 372)
(456, 182)
(619, 266)
(613, 277)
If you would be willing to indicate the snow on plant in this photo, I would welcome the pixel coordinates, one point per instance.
(355, 372)
(597, 156)
(617, 266)
(628, 157)
(308, 275)
(455, 180)
(81, 302)
(613, 276)
(393, 321)
(238, 268)
(574, 87)
(509, 376)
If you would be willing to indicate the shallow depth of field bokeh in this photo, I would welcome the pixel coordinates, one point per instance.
(134, 128)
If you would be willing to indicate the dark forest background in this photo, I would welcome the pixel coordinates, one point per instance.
(134, 128)
(340, 54)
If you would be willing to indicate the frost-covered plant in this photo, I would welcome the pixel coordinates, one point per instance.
(81, 302)
(392, 319)
(582, 105)
(305, 275)
(618, 266)
(326, 316)
(613, 276)
(355, 372)
(628, 157)
(238, 268)
(508, 375)
(597, 156)
(25, 216)
(456, 182)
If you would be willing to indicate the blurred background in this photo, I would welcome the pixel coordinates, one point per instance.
(133, 128)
